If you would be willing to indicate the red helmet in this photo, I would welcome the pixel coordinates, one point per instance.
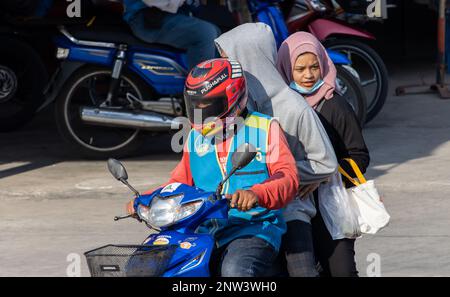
(215, 89)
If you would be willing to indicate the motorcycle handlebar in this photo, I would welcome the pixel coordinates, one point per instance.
(229, 201)
(117, 218)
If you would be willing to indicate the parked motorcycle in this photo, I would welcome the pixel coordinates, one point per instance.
(112, 89)
(26, 31)
(23, 74)
(320, 18)
(175, 212)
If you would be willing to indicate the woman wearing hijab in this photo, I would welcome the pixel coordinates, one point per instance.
(305, 65)
(253, 45)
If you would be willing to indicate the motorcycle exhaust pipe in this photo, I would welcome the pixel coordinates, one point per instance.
(144, 120)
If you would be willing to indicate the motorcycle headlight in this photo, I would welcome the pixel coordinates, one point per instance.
(166, 211)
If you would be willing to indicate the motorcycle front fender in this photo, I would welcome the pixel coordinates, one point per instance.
(324, 28)
(57, 81)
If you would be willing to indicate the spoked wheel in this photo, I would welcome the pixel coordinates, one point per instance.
(8, 83)
(352, 91)
(88, 87)
(22, 80)
(370, 69)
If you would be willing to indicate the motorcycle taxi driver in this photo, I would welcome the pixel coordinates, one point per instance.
(249, 240)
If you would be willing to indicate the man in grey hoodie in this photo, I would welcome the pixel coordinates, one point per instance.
(254, 46)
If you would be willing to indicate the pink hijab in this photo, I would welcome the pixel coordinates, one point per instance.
(300, 43)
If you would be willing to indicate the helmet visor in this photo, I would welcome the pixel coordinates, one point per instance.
(200, 108)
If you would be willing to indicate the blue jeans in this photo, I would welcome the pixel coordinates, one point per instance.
(245, 257)
(180, 31)
(297, 246)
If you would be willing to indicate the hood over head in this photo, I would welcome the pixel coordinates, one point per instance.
(254, 46)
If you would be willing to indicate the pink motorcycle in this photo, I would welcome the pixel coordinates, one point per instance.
(321, 18)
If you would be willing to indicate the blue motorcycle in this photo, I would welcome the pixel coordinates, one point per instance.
(175, 212)
(111, 87)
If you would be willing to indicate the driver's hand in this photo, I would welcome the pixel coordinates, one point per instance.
(130, 208)
(243, 200)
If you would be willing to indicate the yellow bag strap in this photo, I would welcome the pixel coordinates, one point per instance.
(359, 175)
(356, 169)
(342, 171)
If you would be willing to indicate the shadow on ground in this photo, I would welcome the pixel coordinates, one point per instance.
(39, 145)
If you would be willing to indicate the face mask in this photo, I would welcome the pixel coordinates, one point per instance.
(304, 91)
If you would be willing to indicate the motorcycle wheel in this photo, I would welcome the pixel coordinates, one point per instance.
(88, 87)
(371, 70)
(353, 92)
(22, 80)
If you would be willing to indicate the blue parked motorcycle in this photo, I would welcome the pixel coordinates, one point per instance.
(175, 211)
(112, 87)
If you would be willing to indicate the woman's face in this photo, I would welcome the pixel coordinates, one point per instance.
(306, 70)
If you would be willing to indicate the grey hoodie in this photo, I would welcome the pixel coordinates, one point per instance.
(253, 45)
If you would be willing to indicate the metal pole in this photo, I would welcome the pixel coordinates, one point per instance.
(444, 92)
(441, 44)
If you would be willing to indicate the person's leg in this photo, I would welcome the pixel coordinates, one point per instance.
(323, 244)
(336, 257)
(342, 261)
(247, 257)
(180, 31)
(297, 245)
(194, 35)
(141, 30)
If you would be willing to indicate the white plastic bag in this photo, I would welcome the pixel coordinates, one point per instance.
(337, 210)
(370, 210)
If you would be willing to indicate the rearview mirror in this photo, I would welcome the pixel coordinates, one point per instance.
(240, 158)
(243, 156)
(117, 169)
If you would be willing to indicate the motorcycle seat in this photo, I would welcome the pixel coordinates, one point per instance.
(119, 34)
